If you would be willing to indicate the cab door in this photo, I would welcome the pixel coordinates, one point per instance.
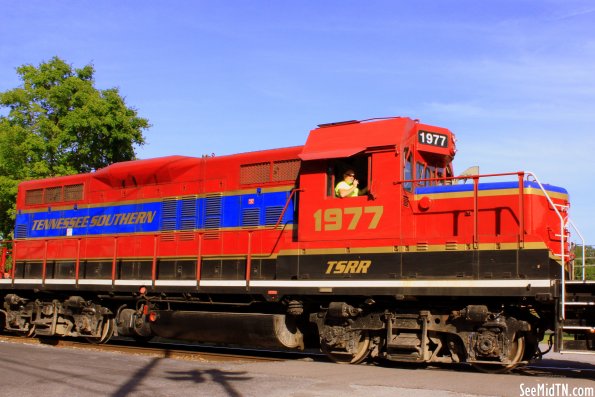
(325, 217)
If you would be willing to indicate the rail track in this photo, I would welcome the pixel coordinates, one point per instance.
(193, 352)
(160, 349)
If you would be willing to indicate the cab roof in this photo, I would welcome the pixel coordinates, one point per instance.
(348, 138)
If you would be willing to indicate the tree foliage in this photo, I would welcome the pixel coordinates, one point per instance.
(589, 262)
(57, 124)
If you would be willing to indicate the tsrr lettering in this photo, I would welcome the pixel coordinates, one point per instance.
(348, 267)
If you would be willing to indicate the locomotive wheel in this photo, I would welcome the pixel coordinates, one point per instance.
(516, 354)
(107, 331)
(346, 357)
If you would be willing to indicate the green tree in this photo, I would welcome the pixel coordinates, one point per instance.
(589, 262)
(57, 124)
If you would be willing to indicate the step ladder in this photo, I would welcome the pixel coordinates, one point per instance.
(575, 322)
(576, 330)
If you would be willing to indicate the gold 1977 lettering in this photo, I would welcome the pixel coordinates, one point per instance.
(331, 219)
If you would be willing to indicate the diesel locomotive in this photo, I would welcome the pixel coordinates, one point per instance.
(258, 249)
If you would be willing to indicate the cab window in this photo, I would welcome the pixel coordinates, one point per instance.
(430, 174)
(432, 169)
(336, 168)
(419, 173)
(408, 170)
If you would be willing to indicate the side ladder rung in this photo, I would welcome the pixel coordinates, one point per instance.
(578, 328)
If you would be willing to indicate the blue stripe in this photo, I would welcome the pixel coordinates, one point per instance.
(486, 186)
(189, 214)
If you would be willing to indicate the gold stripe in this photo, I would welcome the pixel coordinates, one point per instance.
(412, 248)
(495, 192)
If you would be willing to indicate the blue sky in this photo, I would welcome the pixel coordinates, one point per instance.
(514, 79)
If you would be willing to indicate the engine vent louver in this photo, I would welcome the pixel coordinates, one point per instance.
(213, 213)
(188, 213)
(168, 219)
(272, 214)
(179, 216)
(251, 217)
(21, 231)
(169, 215)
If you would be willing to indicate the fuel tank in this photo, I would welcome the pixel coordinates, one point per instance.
(244, 329)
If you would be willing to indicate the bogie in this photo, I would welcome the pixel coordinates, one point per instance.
(73, 317)
(490, 341)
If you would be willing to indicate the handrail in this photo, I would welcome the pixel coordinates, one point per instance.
(584, 263)
(475, 178)
(6, 252)
(562, 247)
(562, 256)
(475, 211)
(77, 264)
(293, 192)
(522, 175)
(3, 259)
(154, 259)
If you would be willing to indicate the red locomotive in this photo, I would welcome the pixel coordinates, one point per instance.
(260, 249)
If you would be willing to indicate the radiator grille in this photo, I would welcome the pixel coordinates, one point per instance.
(286, 170)
(73, 192)
(254, 173)
(53, 195)
(34, 196)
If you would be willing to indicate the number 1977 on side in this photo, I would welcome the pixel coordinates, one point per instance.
(333, 219)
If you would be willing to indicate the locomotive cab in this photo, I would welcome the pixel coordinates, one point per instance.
(388, 158)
